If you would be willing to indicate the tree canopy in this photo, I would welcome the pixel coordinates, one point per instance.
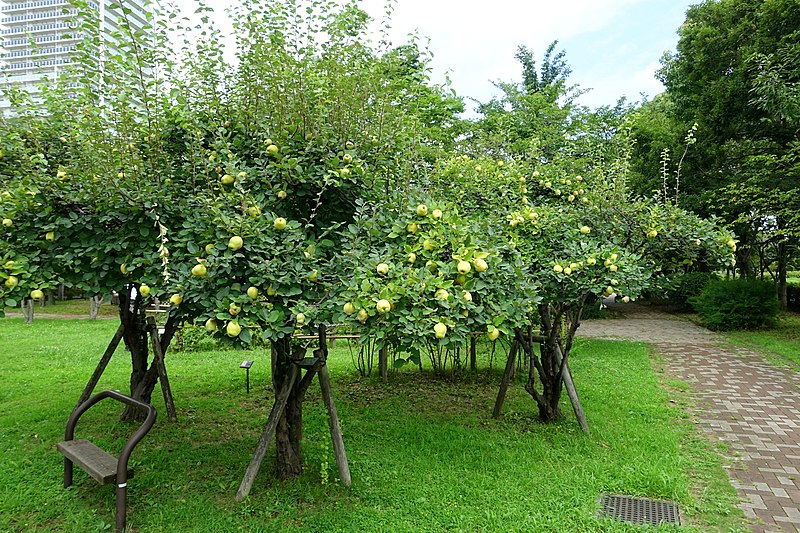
(734, 77)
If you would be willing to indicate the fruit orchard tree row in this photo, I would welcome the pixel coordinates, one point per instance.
(314, 183)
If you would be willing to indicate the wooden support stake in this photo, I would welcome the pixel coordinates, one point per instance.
(266, 436)
(336, 429)
(573, 394)
(501, 396)
(158, 359)
(101, 366)
(333, 417)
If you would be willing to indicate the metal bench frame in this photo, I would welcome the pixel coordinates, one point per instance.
(121, 478)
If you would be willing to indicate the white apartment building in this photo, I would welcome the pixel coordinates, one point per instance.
(39, 38)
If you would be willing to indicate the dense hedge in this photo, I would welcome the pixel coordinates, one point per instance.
(737, 304)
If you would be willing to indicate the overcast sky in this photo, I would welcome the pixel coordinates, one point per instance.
(613, 46)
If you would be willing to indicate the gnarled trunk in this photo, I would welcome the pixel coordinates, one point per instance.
(143, 378)
(547, 368)
(551, 364)
(94, 305)
(131, 314)
(289, 431)
(27, 310)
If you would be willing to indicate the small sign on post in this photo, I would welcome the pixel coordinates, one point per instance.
(246, 365)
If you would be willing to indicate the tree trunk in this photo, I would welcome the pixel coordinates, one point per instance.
(473, 353)
(289, 431)
(383, 363)
(131, 316)
(27, 310)
(743, 263)
(552, 383)
(94, 305)
(547, 369)
(549, 366)
(143, 378)
(783, 258)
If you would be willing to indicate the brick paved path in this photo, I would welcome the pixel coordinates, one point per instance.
(752, 406)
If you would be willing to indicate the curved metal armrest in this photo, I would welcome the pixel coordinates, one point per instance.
(122, 462)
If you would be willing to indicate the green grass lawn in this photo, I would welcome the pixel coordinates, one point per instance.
(78, 308)
(424, 453)
(782, 340)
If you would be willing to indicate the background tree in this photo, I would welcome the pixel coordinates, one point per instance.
(526, 117)
(734, 74)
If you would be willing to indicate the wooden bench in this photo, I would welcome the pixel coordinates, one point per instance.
(99, 464)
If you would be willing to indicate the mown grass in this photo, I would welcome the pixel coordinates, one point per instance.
(780, 340)
(424, 453)
(78, 308)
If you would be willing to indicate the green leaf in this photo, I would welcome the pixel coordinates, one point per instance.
(11, 302)
(400, 363)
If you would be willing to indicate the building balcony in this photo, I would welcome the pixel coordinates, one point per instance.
(42, 52)
(38, 28)
(10, 44)
(20, 79)
(41, 65)
(37, 4)
(11, 20)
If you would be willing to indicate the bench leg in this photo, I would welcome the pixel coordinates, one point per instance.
(121, 496)
(67, 472)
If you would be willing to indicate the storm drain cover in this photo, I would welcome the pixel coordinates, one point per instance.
(639, 510)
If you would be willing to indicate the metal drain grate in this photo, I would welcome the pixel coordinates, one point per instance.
(639, 510)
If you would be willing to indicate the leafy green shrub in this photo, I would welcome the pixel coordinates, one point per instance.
(688, 286)
(737, 304)
(192, 338)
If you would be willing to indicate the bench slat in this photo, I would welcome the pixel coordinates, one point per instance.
(96, 462)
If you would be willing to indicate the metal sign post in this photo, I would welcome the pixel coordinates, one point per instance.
(246, 365)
